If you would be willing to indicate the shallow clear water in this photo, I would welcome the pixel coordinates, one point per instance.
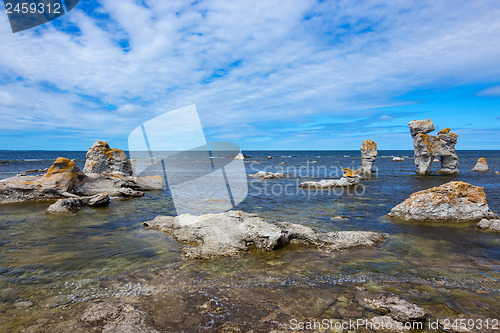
(101, 253)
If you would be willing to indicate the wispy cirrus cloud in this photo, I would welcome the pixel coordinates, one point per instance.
(262, 64)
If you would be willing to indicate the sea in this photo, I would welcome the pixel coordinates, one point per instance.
(57, 265)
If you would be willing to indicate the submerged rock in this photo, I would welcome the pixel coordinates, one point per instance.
(101, 159)
(481, 165)
(455, 200)
(65, 206)
(392, 305)
(428, 147)
(489, 225)
(267, 175)
(230, 233)
(368, 155)
(349, 178)
(117, 317)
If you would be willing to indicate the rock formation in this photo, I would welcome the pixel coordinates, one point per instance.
(101, 159)
(368, 155)
(229, 233)
(489, 225)
(481, 165)
(428, 147)
(75, 203)
(455, 200)
(397, 159)
(349, 178)
(240, 157)
(267, 175)
(392, 305)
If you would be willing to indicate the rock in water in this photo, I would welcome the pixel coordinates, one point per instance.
(489, 225)
(240, 157)
(388, 325)
(481, 165)
(101, 159)
(63, 176)
(497, 172)
(428, 147)
(267, 175)
(396, 307)
(98, 200)
(397, 159)
(368, 155)
(455, 200)
(229, 233)
(65, 206)
(349, 178)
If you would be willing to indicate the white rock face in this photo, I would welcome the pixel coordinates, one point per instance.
(267, 175)
(428, 147)
(458, 201)
(397, 159)
(481, 165)
(230, 233)
(101, 159)
(489, 225)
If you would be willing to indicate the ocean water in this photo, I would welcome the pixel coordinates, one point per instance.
(97, 254)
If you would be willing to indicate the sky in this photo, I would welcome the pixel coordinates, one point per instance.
(265, 75)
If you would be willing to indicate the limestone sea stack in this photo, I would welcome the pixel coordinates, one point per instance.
(453, 201)
(233, 232)
(349, 178)
(481, 165)
(428, 147)
(368, 155)
(101, 159)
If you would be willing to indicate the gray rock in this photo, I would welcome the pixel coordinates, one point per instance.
(267, 175)
(101, 159)
(230, 233)
(350, 178)
(388, 325)
(368, 155)
(98, 200)
(428, 147)
(489, 225)
(392, 305)
(481, 165)
(397, 159)
(23, 304)
(458, 201)
(65, 206)
(130, 193)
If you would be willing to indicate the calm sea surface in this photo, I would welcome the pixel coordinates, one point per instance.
(99, 253)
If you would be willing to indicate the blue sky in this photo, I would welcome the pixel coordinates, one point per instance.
(263, 74)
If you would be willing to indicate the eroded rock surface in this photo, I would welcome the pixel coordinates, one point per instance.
(428, 147)
(101, 159)
(65, 206)
(455, 200)
(368, 155)
(267, 175)
(230, 233)
(349, 178)
(481, 165)
(489, 225)
(388, 304)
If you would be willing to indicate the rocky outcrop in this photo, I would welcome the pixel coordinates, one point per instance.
(392, 305)
(397, 159)
(349, 178)
(458, 201)
(98, 200)
(101, 159)
(117, 317)
(230, 233)
(239, 157)
(489, 225)
(63, 176)
(267, 175)
(481, 165)
(65, 206)
(428, 147)
(368, 155)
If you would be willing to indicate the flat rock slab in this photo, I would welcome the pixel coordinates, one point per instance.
(391, 305)
(457, 201)
(230, 233)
